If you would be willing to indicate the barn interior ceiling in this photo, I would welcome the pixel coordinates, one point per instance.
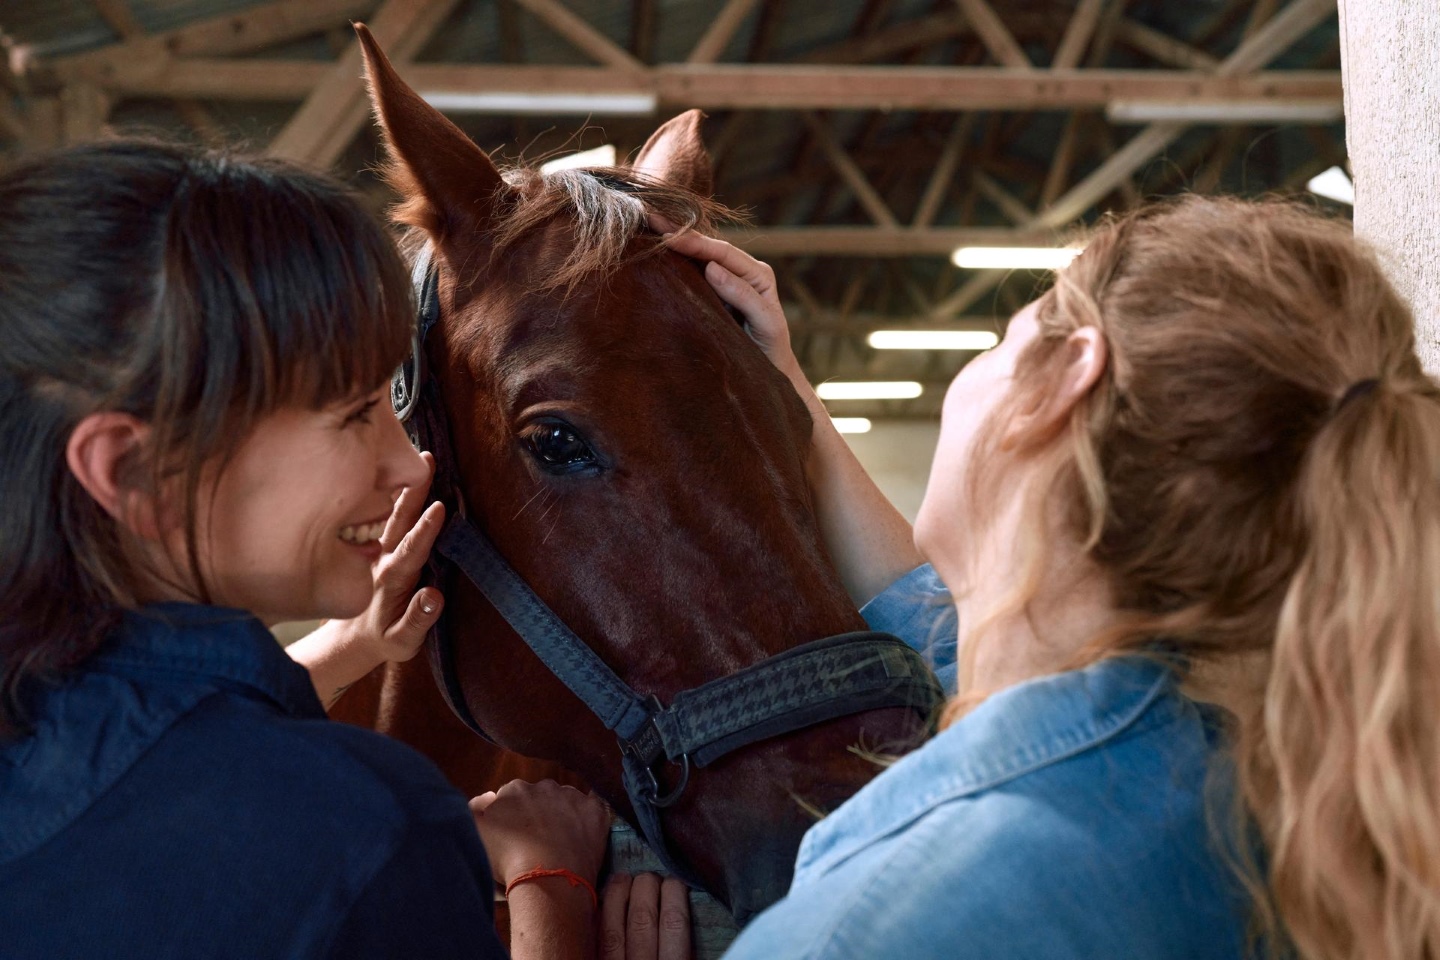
(866, 140)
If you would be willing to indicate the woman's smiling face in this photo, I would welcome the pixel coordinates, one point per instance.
(290, 529)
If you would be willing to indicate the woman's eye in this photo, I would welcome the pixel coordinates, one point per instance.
(558, 447)
(362, 415)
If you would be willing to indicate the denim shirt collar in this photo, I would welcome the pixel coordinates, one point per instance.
(207, 643)
(1016, 731)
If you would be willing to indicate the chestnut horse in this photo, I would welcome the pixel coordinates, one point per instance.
(639, 462)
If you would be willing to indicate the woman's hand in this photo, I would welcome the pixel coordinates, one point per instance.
(394, 626)
(526, 826)
(748, 286)
(869, 541)
(646, 918)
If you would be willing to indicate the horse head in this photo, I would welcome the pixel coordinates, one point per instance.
(640, 464)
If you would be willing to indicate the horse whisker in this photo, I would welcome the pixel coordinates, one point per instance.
(527, 503)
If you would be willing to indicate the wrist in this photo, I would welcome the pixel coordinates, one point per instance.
(558, 884)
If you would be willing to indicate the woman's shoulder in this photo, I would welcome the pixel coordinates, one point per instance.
(959, 882)
(295, 818)
(1045, 826)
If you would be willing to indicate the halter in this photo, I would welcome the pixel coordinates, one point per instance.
(834, 677)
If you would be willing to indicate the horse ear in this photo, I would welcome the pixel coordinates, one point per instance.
(441, 174)
(676, 153)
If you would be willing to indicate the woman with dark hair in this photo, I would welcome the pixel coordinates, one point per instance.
(1188, 516)
(194, 355)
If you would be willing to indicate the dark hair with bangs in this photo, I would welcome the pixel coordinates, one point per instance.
(194, 290)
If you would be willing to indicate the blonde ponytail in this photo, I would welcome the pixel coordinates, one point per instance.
(1345, 771)
(1256, 499)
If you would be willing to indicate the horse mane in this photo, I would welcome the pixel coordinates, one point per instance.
(609, 208)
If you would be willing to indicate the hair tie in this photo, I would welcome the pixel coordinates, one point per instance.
(1357, 389)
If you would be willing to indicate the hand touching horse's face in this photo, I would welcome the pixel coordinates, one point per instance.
(640, 464)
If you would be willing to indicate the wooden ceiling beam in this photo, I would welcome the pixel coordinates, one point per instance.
(994, 34)
(1162, 47)
(1278, 34)
(891, 41)
(581, 35)
(1061, 162)
(229, 35)
(644, 21)
(945, 165)
(1260, 14)
(120, 17)
(1006, 202)
(970, 293)
(722, 30)
(761, 42)
(1078, 33)
(321, 130)
(1267, 43)
(748, 86)
(122, 20)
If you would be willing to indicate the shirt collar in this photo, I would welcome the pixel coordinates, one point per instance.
(216, 643)
(1016, 731)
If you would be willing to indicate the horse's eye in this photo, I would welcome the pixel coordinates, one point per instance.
(558, 447)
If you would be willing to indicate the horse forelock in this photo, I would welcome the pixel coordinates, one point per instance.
(605, 210)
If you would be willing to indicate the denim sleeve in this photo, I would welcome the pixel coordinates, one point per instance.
(917, 609)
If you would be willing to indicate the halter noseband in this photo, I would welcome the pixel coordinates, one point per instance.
(797, 688)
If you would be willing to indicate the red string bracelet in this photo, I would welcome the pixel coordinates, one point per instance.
(540, 873)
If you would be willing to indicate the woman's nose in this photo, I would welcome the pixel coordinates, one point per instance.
(401, 464)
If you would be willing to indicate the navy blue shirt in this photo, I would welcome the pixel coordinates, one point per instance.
(183, 795)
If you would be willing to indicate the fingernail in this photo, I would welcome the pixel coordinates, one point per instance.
(667, 236)
(427, 607)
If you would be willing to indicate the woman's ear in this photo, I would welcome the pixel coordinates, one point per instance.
(1086, 356)
(103, 453)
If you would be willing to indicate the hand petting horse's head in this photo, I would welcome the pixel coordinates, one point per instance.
(638, 461)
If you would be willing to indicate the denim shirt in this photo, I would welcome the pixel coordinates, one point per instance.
(1065, 817)
(183, 795)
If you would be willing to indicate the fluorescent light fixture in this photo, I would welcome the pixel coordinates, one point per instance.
(932, 340)
(851, 424)
(1225, 111)
(1014, 258)
(599, 157)
(869, 390)
(1333, 184)
(548, 104)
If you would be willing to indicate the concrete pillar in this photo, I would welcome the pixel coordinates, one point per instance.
(1391, 56)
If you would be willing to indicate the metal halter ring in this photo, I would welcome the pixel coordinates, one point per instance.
(405, 384)
(652, 795)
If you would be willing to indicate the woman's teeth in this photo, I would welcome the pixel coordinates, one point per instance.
(362, 533)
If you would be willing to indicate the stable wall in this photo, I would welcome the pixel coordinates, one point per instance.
(1391, 63)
